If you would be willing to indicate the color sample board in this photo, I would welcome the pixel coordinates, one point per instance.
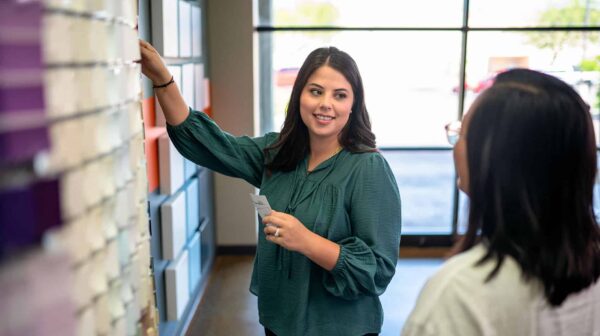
(177, 286)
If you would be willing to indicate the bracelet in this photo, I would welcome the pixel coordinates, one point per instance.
(164, 85)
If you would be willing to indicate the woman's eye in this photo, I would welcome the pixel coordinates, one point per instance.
(341, 95)
(315, 92)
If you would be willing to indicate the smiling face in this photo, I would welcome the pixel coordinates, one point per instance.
(325, 104)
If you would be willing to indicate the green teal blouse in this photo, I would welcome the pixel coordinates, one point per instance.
(351, 199)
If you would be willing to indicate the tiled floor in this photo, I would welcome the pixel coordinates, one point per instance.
(228, 308)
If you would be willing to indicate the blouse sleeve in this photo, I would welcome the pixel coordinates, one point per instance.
(200, 140)
(367, 259)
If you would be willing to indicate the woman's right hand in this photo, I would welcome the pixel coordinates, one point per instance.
(152, 64)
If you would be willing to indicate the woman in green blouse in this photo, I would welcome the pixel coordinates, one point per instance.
(329, 247)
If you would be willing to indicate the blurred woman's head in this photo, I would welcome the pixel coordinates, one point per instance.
(527, 159)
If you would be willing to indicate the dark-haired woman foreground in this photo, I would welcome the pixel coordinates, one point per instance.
(530, 261)
(329, 248)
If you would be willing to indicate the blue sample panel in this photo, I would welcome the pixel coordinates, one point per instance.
(207, 242)
(195, 266)
(189, 168)
(192, 208)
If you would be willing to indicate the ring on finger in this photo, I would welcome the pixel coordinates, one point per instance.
(276, 234)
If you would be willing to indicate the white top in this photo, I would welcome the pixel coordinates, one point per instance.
(456, 301)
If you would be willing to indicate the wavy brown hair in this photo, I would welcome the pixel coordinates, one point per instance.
(293, 145)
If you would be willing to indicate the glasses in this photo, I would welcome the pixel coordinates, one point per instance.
(453, 132)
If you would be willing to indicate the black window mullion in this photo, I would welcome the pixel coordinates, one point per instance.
(461, 105)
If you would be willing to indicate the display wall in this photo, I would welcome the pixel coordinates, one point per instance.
(75, 240)
(105, 228)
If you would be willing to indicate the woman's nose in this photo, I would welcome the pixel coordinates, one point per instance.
(325, 103)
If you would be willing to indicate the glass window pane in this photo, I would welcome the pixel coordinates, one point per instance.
(358, 13)
(185, 29)
(534, 13)
(463, 212)
(408, 84)
(570, 56)
(426, 183)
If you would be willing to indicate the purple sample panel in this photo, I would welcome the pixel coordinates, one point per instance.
(27, 212)
(18, 220)
(20, 31)
(23, 130)
(20, 14)
(20, 55)
(21, 145)
(22, 100)
(47, 205)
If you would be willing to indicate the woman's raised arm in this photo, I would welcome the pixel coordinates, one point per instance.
(170, 99)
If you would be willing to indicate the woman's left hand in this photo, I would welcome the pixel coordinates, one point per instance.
(153, 65)
(286, 230)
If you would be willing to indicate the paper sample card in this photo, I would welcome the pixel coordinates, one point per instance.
(261, 204)
(199, 86)
(173, 222)
(170, 166)
(177, 286)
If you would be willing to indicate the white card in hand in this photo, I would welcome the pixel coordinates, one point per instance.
(261, 204)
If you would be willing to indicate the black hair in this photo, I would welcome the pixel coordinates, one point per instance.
(531, 155)
(293, 145)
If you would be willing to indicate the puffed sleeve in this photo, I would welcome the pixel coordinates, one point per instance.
(200, 140)
(367, 259)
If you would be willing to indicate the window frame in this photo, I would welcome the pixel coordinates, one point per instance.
(265, 44)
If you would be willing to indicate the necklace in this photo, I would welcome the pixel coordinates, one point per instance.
(339, 149)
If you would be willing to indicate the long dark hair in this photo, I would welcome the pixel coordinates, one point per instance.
(532, 166)
(293, 144)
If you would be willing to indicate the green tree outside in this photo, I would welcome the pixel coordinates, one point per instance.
(308, 13)
(576, 14)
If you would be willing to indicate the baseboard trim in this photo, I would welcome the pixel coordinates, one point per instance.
(424, 252)
(405, 251)
(236, 250)
(422, 241)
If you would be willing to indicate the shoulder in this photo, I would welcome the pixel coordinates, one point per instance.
(455, 270)
(449, 285)
(368, 161)
(458, 293)
(375, 154)
(271, 137)
(265, 140)
(460, 297)
(369, 166)
(369, 173)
